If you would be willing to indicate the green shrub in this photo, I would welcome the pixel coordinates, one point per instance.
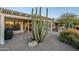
(71, 37)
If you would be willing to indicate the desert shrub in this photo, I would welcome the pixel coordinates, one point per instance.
(70, 36)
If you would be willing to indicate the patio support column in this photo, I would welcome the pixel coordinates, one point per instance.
(28, 25)
(51, 25)
(1, 29)
(22, 26)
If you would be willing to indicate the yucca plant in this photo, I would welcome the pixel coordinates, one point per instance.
(39, 25)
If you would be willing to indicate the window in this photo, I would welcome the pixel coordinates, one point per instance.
(15, 25)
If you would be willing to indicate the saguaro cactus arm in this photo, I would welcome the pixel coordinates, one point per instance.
(39, 25)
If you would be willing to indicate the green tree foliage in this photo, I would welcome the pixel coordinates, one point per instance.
(68, 18)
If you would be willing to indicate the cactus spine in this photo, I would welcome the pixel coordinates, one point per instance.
(39, 25)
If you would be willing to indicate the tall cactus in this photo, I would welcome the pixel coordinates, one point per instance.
(39, 25)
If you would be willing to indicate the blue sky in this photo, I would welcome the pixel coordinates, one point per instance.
(53, 11)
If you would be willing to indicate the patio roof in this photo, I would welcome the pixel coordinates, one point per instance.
(15, 16)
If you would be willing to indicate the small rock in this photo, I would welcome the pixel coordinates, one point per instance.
(32, 44)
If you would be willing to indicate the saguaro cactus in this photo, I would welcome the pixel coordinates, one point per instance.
(39, 25)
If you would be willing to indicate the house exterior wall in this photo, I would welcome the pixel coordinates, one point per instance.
(50, 23)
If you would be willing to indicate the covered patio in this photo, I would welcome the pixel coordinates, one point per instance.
(3, 18)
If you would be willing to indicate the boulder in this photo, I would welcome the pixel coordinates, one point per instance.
(32, 44)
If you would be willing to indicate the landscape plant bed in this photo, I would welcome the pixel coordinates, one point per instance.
(71, 37)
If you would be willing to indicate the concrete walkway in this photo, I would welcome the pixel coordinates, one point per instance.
(19, 43)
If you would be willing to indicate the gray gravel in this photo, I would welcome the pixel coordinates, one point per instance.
(19, 43)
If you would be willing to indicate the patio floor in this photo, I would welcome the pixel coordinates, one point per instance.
(19, 43)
